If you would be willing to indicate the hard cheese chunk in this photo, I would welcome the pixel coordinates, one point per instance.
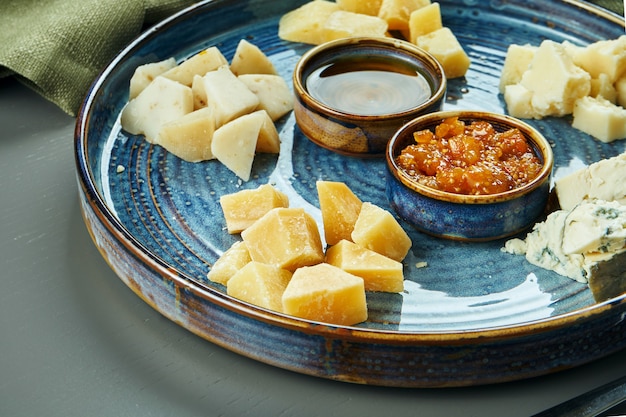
(260, 284)
(424, 20)
(285, 237)
(272, 91)
(145, 74)
(378, 272)
(190, 137)
(249, 59)
(581, 244)
(243, 208)
(602, 180)
(229, 97)
(397, 12)
(199, 64)
(326, 294)
(599, 118)
(304, 24)
(444, 46)
(231, 261)
(342, 24)
(340, 209)
(162, 101)
(376, 229)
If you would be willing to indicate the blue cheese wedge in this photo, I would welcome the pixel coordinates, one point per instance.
(602, 180)
(586, 244)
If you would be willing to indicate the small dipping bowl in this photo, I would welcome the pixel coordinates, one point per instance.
(468, 217)
(353, 94)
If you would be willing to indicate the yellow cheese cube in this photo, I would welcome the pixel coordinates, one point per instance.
(444, 46)
(231, 261)
(340, 208)
(204, 61)
(260, 284)
(397, 12)
(378, 272)
(326, 294)
(424, 20)
(369, 7)
(285, 237)
(342, 24)
(376, 229)
(190, 136)
(243, 208)
(304, 24)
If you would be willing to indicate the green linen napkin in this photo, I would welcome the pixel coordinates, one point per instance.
(58, 47)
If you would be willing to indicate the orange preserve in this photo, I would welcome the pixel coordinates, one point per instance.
(471, 159)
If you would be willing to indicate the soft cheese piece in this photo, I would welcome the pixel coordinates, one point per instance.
(199, 64)
(600, 118)
(602, 86)
(516, 62)
(285, 237)
(376, 229)
(554, 80)
(586, 244)
(243, 208)
(260, 284)
(602, 180)
(378, 272)
(327, 294)
(603, 57)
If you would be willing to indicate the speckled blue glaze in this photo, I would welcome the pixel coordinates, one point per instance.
(463, 217)
(474, 315)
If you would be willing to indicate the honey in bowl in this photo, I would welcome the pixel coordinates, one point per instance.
(367, 86)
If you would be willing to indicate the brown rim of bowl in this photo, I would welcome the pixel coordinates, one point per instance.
(397, 45)
(539, 143)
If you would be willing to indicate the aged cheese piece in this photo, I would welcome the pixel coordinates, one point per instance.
(234, 144)
(259, 284)
(516, 62)
(229, 97)
(376, 229)
(243, 208)
(378, 272)
(423, 20)
(285, 237)
(600, 118)
(585, 244)
(249, 59)
(444, 46)
(555, 81)
(602, 180)
(369, 7)
(273, 92)
(340, 209)
(603, 57)
(190, 136)
(397, 12)
(199, 64)
(162, 101)
(304, 24)
(342, 24)
(231, 261)
(326, 294)
(145, 74)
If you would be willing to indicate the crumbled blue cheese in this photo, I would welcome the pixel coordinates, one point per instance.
(572, 243)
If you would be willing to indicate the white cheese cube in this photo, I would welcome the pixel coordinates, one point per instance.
(228, 95)
(620, 89)
(603, 87)
(518, 101)
(600, 118)
(199, 64)
(602, 180)
(604, 57)
(145, 74)
(554, 80)
(273, 92)
(516, 62)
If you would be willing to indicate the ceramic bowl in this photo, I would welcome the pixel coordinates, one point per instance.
(353, 94)
(467, 217)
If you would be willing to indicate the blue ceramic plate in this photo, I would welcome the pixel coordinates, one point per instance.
(473, 315)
